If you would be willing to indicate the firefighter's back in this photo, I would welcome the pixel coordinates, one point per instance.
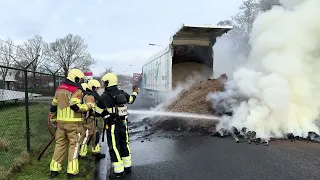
(65, 94)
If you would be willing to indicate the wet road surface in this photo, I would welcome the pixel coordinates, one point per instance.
(194, 156)
(166, 156)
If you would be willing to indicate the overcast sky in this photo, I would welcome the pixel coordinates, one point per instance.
(117, 31)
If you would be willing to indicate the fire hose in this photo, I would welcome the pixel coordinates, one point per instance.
(49, 124)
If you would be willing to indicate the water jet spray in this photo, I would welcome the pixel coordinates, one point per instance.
(174, 114)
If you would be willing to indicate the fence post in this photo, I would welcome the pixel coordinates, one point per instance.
(54, 78)
(27, 103)
(27, 109)
(54, 82)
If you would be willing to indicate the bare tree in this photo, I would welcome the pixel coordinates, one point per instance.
(70, 52)
(32, 51)
(245, 18)
(242, 25)
(106, 70)
(225, 23)
(7, 58)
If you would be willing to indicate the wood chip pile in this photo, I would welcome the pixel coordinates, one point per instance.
(193, 100)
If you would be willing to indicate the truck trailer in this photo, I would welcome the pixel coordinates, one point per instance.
(188, 55)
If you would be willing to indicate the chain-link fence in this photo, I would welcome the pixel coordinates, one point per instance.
(25, 99)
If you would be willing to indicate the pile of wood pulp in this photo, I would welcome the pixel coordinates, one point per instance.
(189, 72)
(193, 100)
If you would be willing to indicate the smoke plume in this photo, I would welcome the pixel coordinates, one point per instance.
(277, 91)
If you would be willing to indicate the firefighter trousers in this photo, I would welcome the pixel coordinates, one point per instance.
(90, 135)
(119, 148)
(67, 133)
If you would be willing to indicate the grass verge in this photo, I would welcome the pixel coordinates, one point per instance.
(14, 158)
(40, 169)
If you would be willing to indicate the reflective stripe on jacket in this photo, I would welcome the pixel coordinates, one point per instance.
(65, 96)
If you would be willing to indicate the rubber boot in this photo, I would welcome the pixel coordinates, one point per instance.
(54, 174)
(79, 175)
(127, 170)
(55, 168)
(117, 175)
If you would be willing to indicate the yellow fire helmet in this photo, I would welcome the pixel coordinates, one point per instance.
(109, 80)
(93, 84)
(75, 75)
(84, 86)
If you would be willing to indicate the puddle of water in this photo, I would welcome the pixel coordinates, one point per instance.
(153, 152)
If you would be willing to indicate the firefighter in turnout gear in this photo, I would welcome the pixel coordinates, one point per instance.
(69, 109)
(113, 109)
(84, 87)
(91, 133)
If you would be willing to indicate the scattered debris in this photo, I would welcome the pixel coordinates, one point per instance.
(313, 137)
(250, 136)
(290, 136)
(234, 134)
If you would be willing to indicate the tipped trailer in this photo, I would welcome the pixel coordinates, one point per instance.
(188, 55)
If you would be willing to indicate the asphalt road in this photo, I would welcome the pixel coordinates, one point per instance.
(194, 156)
(166, 156)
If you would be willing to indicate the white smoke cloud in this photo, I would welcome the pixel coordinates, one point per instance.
(227, 59)
(291, 3)
(277, 92)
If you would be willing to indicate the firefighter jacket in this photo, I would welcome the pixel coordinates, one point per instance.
(93, 98)
(107, 102)
(67, 103)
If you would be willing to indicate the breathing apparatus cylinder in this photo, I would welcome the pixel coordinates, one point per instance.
(121, 109)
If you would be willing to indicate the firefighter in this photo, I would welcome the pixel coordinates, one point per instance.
(69, 109)
(91, 134)
(114, 112)
(84, 87)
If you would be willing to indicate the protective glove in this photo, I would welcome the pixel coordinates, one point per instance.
(135, 89)
(53, 117)
(76, 108)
